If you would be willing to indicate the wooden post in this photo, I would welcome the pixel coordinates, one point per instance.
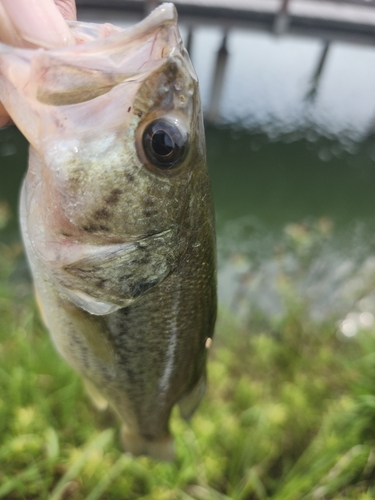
(281, 23)
(213, 114)
(315, 79)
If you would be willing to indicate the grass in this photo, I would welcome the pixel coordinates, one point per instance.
(289, 415)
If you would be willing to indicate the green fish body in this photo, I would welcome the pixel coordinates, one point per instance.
(117, 216)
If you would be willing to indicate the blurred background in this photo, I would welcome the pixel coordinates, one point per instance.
(288, 90)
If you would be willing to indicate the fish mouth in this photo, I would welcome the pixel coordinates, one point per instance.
(106, 56)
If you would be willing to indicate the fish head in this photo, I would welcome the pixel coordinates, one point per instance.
(115, 127)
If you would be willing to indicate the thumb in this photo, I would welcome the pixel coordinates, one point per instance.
(40, 22)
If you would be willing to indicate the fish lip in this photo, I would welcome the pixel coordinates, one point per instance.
(165, 14)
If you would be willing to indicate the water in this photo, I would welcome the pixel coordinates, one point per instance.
(13, 163)
(269, 81)
(293, 177)
(280, 181)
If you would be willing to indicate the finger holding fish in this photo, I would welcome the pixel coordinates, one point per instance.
(35, 23)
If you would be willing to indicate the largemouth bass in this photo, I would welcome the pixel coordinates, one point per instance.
(117, 216)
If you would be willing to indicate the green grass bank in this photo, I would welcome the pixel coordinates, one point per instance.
(289, 414)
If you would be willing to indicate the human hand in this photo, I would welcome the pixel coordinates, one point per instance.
(35, 23)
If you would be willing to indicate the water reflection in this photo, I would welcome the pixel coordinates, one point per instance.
(269, 78)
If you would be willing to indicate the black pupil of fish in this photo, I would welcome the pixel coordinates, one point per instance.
(162, 143)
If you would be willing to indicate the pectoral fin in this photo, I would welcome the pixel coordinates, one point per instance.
(114, 278)
(97, 399)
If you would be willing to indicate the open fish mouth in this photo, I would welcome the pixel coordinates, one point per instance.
(120, 56)
(104, 58)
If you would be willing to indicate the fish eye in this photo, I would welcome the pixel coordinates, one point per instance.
(164, 144)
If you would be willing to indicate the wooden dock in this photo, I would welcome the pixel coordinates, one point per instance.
(342, 20)
(350, 21)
